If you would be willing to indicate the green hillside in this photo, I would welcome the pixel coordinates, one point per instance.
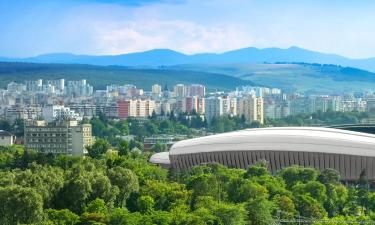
(313, 78)
(100, 76)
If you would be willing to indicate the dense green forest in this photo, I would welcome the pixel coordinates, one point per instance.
(118, 189)
(100, 76)
(319, 118)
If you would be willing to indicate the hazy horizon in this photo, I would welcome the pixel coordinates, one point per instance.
(188, 54)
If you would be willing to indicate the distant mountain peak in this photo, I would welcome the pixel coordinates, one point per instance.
(293, 47)
(168, 57)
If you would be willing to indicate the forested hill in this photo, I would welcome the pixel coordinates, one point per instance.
(301, 77)
(100, 76)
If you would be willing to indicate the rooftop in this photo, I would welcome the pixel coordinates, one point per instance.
(4, 133)
(304, 139)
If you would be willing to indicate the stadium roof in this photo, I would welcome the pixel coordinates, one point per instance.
(160, 158)
(301, 139)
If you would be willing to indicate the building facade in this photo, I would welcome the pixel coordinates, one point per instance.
(55, 112)
(6, 138)
(65, 137)
(213, 108)
(251, 107)
(135, 108)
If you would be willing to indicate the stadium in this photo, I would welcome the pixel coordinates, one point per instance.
(350, 153)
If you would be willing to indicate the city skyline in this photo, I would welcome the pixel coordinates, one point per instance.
(103, 27)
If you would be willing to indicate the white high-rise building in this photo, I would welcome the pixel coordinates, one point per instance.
(58, 84)
(33, 85)
(213, 108)
(15, 87)
(251, 107)
(180, 91)
(156, 89)
(229, 106)
(78, 88)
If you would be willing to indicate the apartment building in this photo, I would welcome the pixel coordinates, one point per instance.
(62, 137)
(54, 112)
(251, 107)
(180, 91)
(213, 108)
(196, 90)
(156, 90)
(194, 103)
(24, 112)
(135, 108)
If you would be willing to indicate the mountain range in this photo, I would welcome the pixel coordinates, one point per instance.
(167, 57)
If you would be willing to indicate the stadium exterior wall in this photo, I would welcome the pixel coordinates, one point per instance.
(349, 166)
(348, 152)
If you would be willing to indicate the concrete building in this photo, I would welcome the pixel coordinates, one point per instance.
(156, 90)
(33, 85)
(135, 108)
(321, 103)
(165, 107)
(131, 91)
(334, 103)
(260, 110)
(24, 112)
(78, 88)
(89, 110)
(274, 109)
(229, 106)
(58, 84)
(348, 152)
(350, 105)
(194, 103)
(213, 108)
(251, 107)
(149, 142)
(56, 112)
(16, 88)
(65, 137)
(180, 91)
(196, 90)
(370, 106)
(302, 105)
(6, 138)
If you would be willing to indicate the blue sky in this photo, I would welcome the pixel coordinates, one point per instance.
(99, 27)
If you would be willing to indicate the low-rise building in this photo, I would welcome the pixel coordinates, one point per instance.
(149, 142)
(6, 138)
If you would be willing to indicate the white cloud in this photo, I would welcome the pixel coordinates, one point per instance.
(184, 36)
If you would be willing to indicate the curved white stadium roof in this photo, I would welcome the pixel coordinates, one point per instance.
(160, 158)
(302, 139)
